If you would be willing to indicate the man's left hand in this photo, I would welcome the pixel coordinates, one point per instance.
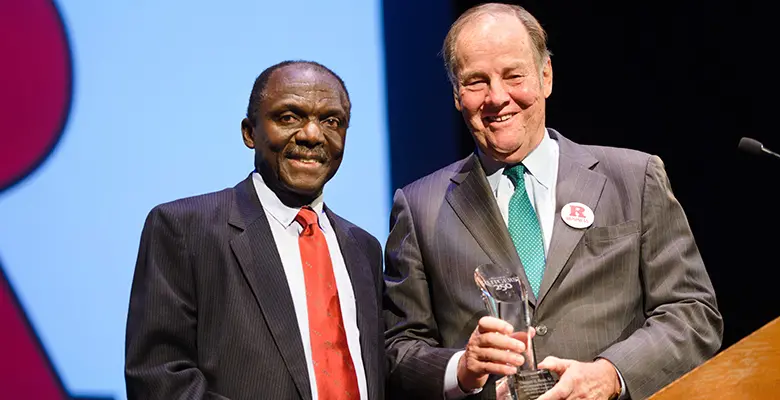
(596, 380)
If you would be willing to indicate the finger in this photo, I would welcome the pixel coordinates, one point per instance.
(483, 368)
(555, 364)
(550, 360)
(521, 336)
(561, 390)
(532, 331)
(497, 341)
(497, 356)
(491, 324)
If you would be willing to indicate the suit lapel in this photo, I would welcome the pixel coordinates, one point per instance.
(256, 252)
(471, 199)
(364, 288)
(576, 183)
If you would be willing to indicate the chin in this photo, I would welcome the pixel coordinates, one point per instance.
(510, 157)
(305, 187)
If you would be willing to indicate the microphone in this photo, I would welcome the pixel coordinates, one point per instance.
(753, 146)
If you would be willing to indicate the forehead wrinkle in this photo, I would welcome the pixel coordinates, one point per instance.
(306, 89)
(491, 29)
(301, 75)
(521, 66)
(320, 96)
(298, 76)
(330, 105)
(488, 34)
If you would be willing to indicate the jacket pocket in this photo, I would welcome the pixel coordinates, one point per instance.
(610, 233)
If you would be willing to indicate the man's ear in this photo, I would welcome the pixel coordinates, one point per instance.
(247, 133)
(456, 97)
(547, 78)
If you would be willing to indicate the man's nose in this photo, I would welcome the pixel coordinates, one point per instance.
(311, 132)
(497, 93)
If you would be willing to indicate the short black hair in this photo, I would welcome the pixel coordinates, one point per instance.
(258, 89)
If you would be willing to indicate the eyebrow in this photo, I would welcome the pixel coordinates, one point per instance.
(472, 74)
(511, 67)
(295, 106)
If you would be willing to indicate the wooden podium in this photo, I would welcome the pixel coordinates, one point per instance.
(749, 369)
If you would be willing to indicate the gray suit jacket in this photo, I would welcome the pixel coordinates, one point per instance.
(211, 316)
(631, 288)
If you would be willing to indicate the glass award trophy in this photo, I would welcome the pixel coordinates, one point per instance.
(506, 298)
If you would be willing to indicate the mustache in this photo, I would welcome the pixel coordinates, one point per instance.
(313, 153)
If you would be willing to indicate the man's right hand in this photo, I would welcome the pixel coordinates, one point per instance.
(493, 348)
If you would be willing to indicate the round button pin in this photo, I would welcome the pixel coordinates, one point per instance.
(577, 215)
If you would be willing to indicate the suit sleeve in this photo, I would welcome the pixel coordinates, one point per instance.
(160, 342)
(417, 360)
(683, 327)
(374, 253)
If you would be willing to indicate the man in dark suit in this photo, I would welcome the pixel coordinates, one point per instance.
(260, 291)
(622, 303)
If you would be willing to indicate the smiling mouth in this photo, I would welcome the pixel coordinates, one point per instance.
(499, 118)
(307, 160)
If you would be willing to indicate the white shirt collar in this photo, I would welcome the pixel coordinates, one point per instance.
(279, 211)
(537, 162)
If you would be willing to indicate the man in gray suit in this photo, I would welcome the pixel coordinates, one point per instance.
(260, 291)
(622, 304)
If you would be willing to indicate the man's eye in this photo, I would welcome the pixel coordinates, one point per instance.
(287, 118)
(332, 122)
(476, 85)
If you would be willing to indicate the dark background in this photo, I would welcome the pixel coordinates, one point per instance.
(683, 80)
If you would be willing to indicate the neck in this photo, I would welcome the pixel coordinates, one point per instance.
(287, 196)
(292, 199)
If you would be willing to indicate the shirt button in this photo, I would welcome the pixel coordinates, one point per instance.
(541, 330)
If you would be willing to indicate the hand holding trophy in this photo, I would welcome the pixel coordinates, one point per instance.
(506, 298)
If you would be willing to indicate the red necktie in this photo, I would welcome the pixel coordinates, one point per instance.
(336, 378)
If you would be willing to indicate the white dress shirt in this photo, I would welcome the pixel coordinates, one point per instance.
(541, 178)
(285, 230)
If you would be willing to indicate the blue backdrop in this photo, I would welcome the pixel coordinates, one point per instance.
(159, 91)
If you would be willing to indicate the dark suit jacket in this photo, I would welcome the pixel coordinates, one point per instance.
(631, 288)
(211, 316)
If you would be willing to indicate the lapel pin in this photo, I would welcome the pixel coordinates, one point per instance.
(577, 215)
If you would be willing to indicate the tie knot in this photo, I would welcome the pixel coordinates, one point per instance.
(306, 217)
(515, 173)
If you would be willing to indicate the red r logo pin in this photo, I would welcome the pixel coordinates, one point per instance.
(577, 215)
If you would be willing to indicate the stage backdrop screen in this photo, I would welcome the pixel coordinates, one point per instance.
(157, 93)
